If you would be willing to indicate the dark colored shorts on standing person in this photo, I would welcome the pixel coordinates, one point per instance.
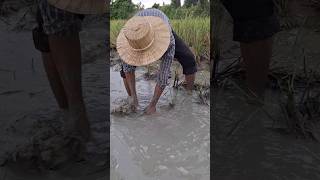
(184, 56)
(57, 21)
(252, 19)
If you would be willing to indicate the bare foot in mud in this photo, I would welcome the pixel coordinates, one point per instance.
(78, 125)
(189, 92)
(84, 127)
(77, 134)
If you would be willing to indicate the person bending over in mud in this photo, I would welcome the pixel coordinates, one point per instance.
(147, 37)
(57, 37)
(254, 24)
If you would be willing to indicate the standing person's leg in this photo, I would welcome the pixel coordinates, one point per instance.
(257, 56)
(55, 81)
(41, 43)
(254, 26)
(66, 53)
(63, 33)
(187, 60)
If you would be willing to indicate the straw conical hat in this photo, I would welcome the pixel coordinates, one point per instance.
(81, 6)
(143, 40)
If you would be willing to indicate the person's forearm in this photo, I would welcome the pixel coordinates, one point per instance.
(157, 93)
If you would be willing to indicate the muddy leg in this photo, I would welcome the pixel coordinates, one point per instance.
(156, 95)
(257, 57)
(55, 81)
(190, 81)
(66, 53)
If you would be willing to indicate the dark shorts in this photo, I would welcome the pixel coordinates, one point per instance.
(57, 21)
(184, 56)
(253, 19)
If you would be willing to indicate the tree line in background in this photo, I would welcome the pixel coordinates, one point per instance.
(123, 9)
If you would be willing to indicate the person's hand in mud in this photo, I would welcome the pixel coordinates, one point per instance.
(151, 108)
(133, 103)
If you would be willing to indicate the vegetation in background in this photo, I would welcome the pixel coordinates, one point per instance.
(189, 3)
(190, 21)
(176, 3)
(123, 9)
(194, 31)
(185, 12)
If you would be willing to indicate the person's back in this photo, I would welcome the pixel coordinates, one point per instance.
(154, 12)
(177, 49)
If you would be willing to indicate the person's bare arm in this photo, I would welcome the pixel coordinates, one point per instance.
(163, 78)
(156, 95)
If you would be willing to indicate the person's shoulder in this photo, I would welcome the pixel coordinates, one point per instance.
(154, 10)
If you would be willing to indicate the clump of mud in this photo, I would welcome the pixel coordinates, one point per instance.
(49, 147)
(124, 109)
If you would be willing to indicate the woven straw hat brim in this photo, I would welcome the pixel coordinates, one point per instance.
(81, 6)
(154, 52)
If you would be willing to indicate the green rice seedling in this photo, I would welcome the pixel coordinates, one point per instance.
(115, 27)
(282, 6)
(176, 79)
(196, 33)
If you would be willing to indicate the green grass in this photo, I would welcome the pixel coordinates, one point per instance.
(194, 31)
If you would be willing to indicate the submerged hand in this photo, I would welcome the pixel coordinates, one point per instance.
(133, 103)
(150, 110)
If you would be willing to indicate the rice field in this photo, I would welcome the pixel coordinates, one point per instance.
(194, 31)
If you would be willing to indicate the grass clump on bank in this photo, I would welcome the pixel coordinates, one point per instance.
(194, 31)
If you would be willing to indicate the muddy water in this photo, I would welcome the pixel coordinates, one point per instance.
(254, 150)
(173, 144)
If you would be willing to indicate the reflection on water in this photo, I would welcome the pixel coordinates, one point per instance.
(174, 144)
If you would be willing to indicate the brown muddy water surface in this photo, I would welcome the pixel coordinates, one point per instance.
(173, 144)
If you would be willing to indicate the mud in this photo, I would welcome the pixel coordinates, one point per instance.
(172, 144)
(30, 133)
(248, 143)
